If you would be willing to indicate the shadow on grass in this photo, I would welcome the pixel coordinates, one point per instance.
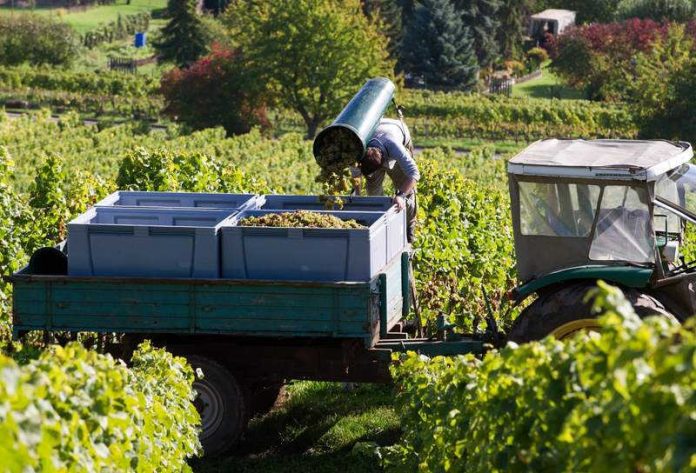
(546, 91)
(315, 430)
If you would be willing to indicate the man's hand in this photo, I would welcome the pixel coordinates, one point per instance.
(400, 202)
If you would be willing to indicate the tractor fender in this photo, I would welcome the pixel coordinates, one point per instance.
(629, 276)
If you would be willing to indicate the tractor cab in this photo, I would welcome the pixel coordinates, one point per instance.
(604, 209)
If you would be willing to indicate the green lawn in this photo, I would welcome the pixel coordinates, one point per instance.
(547, 86)
(97, 58)
(316, 431)
(83, 21)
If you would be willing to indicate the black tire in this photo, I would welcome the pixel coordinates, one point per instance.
(48, 261)
(221, 404)
(561, 307)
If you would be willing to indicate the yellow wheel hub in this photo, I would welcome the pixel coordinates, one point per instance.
(571, 328)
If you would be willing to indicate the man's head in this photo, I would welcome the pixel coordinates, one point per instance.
(371, 162)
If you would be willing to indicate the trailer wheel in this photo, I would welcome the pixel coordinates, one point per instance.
(563, 313)
(221, 405)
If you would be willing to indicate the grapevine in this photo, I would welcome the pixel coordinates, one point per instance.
(616, 401)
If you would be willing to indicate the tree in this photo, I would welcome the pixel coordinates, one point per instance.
(184, 39)
(215, 91)
(597, 57)
(513, 16)
(662, 92)
(438, 47)
(673, 10)
(312, 54)
(37, 40)
(389, 13)
(481, 16)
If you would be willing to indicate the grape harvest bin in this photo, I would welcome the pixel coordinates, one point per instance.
(306, 254)
(197, 200)
(148, 242)
(395, 221)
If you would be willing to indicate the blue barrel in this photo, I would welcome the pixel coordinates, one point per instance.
(140, 39)
(343, 142)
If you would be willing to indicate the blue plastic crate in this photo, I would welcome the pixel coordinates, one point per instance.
(140, 39)
(309, 254)
(147, 242)
(198, 200)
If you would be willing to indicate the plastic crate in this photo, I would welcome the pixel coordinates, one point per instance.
(395, 221)
(181, 200)
(309, 254)
(147, 242)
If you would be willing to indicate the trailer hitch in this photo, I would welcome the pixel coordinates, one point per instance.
(493, 334)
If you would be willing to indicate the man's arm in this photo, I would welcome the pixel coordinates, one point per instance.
(408, 165)
(403, 158)
(356, 178)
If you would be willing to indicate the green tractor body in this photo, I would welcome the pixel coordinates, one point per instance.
(613, 210)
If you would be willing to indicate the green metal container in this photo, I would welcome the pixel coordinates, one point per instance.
(344, 141)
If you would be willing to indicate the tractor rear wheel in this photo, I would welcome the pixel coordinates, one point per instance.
(564, 312)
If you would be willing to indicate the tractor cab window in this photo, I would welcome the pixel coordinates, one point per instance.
(557, 209)
(668, 225)
(623, 231)
(679, 188)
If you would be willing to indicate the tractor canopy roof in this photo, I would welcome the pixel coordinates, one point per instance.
(601, 159)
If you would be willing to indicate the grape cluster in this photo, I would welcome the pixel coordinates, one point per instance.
(299, 219)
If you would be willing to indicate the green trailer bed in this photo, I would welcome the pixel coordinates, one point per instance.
(246, 336)
(344, 310)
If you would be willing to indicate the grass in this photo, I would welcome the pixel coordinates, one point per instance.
(89, 19)
(548, 86)
(467, 144)
(98, 57)
(316, 431)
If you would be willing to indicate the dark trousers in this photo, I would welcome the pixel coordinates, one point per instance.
(411, 216)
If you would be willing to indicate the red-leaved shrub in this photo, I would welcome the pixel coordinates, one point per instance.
(214, 91)
(600, 57)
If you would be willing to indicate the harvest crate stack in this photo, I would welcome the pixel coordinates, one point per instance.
(199, 235)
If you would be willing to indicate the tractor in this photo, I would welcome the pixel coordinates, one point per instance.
(612, 210)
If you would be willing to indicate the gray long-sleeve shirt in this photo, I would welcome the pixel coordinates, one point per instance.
(393, 139)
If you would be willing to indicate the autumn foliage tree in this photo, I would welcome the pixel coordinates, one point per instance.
(662, 92)
(599, 58)
(214, 91)
(313, 55)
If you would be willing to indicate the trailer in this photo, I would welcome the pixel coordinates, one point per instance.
(247, 336)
